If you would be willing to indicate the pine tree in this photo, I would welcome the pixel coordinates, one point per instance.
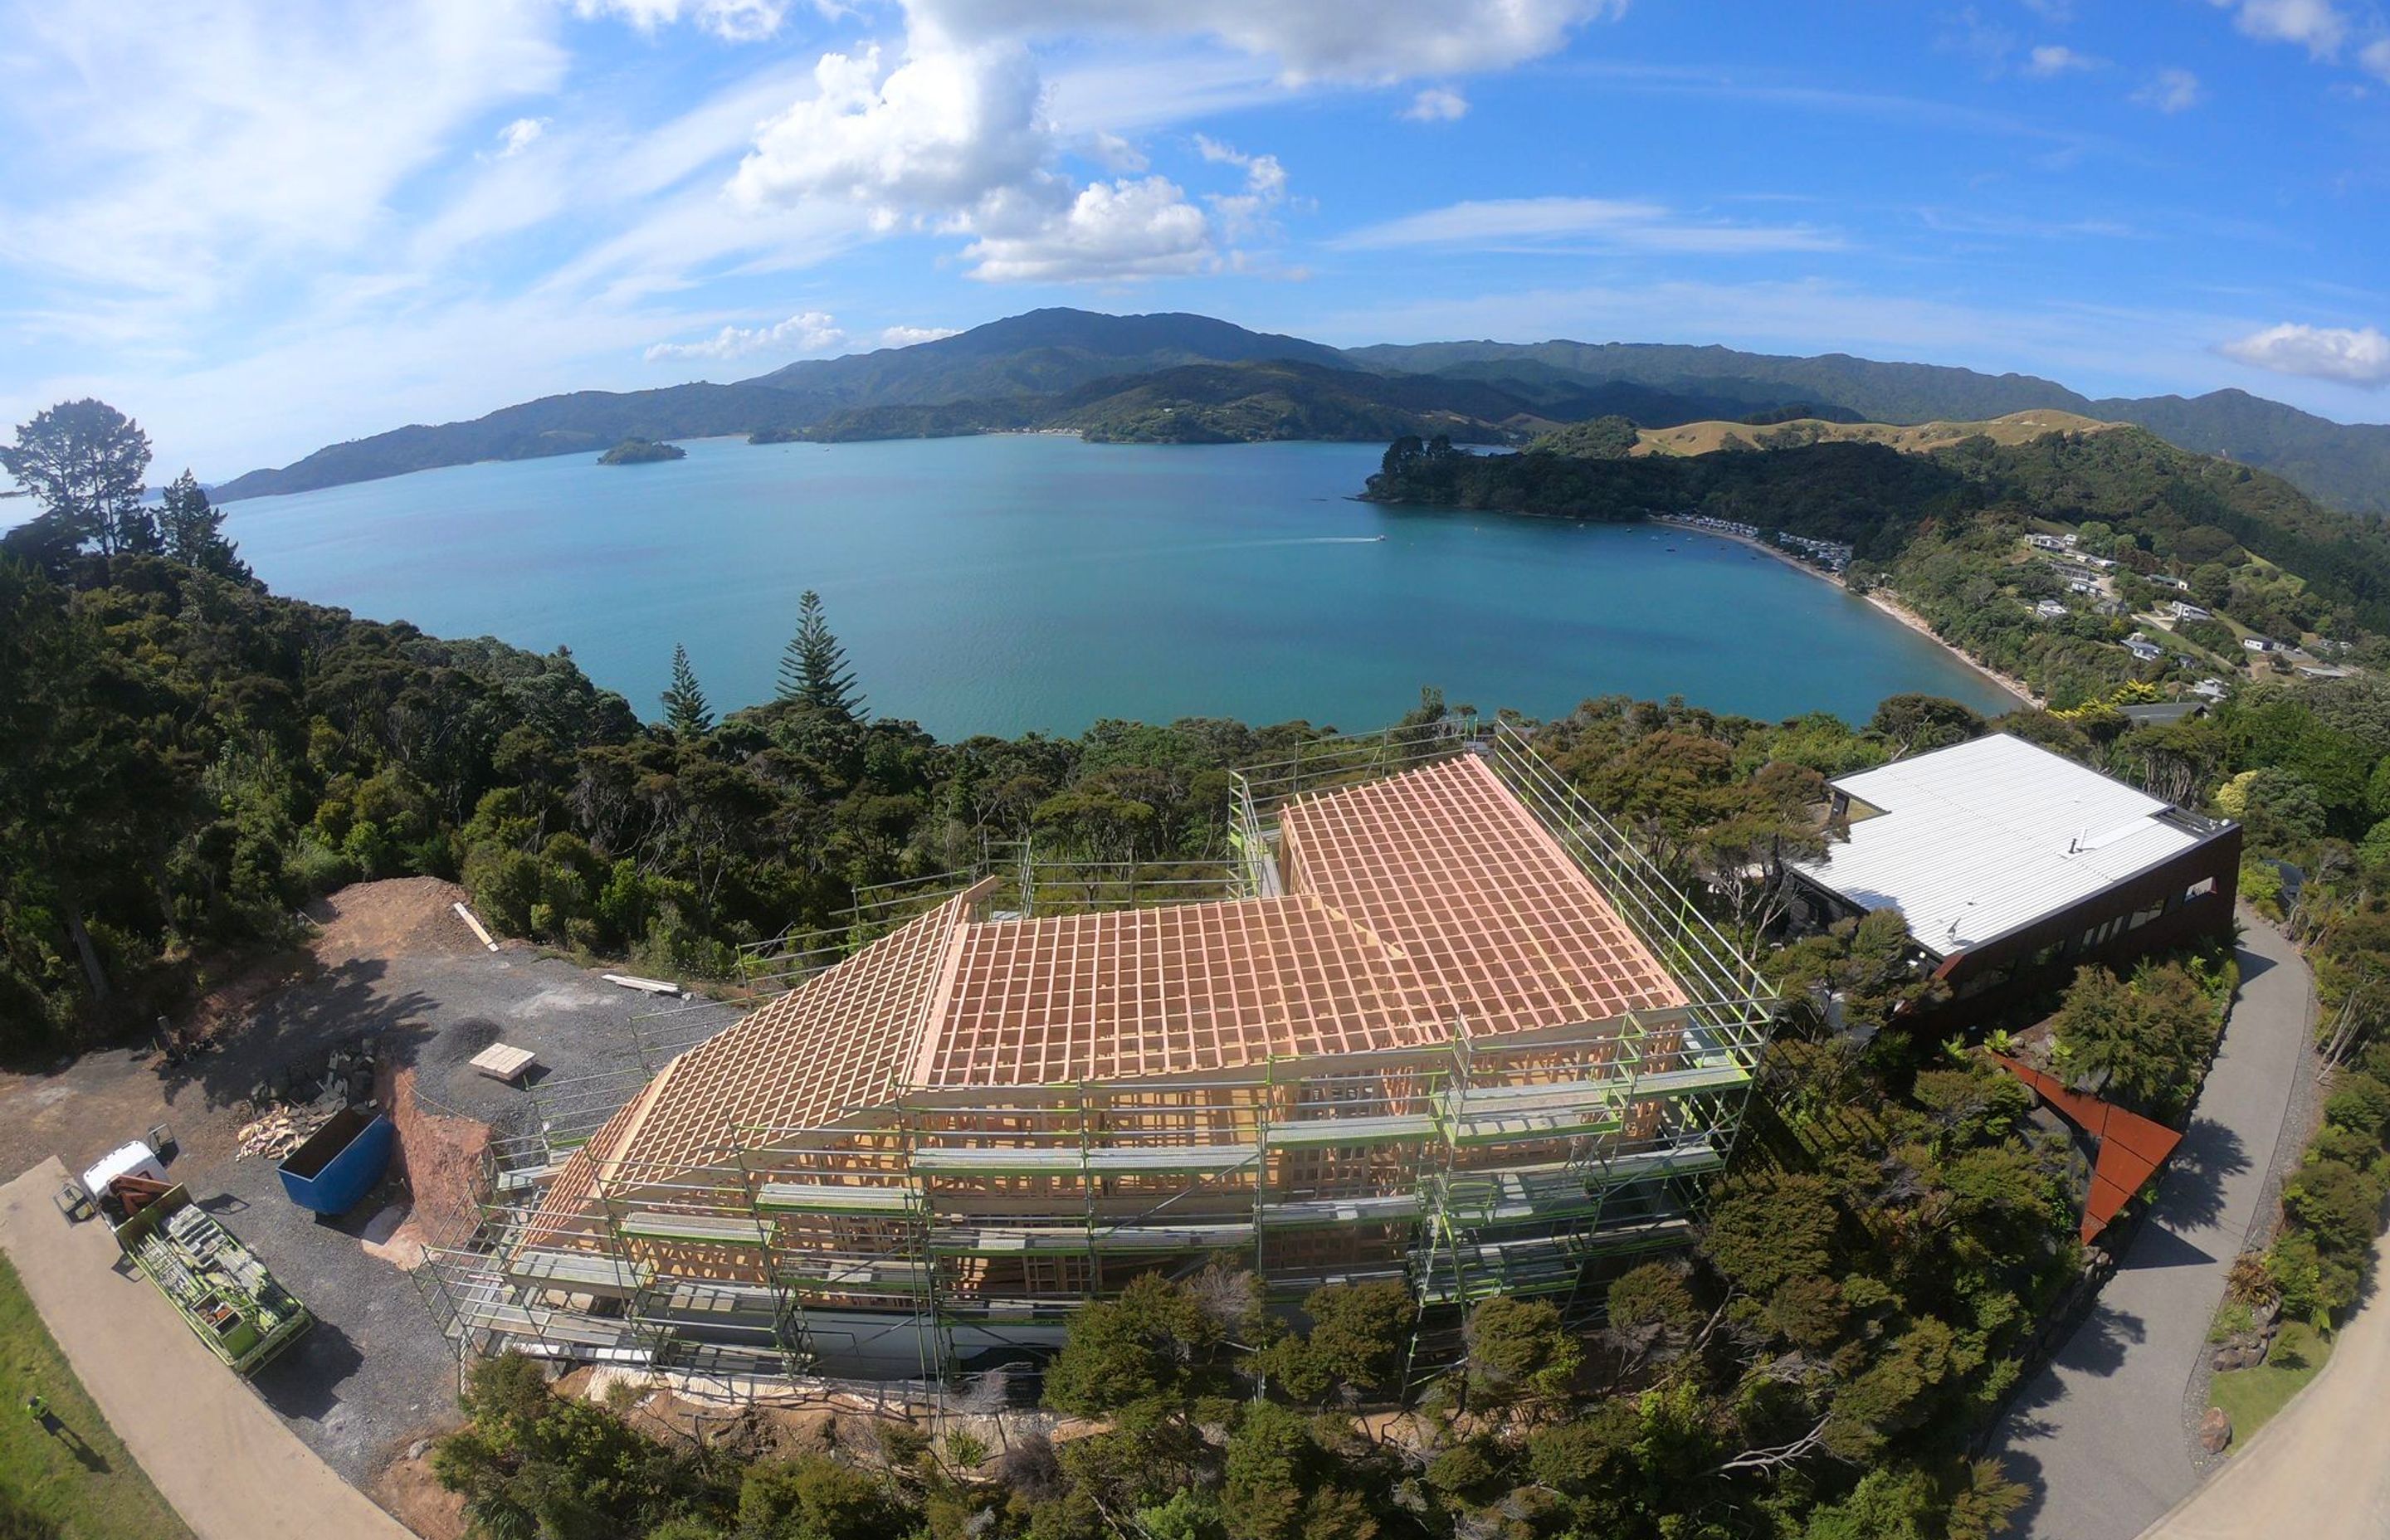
(814, 670)
(192, 530)
(685, 712)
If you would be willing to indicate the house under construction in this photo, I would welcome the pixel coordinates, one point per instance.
(1435, 1021)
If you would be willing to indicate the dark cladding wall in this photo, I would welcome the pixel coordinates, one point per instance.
(2045, 955)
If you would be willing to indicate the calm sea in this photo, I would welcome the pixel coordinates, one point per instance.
(1001, 584)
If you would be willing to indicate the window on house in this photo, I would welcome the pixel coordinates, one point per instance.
(2142, 916)
(2200, 889)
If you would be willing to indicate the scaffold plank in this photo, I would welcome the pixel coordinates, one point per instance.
(580, 1272)
(828, 1198)
(705, 1228)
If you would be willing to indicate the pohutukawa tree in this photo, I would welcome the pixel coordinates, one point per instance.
(83, 462)
(686, 709)
(814, 670)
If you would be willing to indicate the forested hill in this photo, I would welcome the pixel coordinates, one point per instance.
(1033, 370)
(2176, 507)
(2344, 464)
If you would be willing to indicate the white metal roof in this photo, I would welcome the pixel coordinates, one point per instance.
(1976, 840)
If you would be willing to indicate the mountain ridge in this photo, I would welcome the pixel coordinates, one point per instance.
(1023, 370)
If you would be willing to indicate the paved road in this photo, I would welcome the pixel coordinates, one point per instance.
(212, 1449)
(2321, 1469)
(2099, 1433)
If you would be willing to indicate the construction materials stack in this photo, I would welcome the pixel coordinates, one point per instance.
(213, 1281)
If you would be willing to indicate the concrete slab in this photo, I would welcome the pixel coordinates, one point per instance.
(209, 1446)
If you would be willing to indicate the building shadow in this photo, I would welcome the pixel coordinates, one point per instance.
(2157, 1247)
(2253, 965)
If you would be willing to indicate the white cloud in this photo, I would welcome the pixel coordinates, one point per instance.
(809, 332)
(1111, 230)
(1117, 155)
(2316, 25)
(732, 20)
(2351, 355)
(2376, 57)
(1245, 215)
(937, 133)
(1384, 41)
(906, 337)
(180, 151)
(2171, 91)
(520, 136)
(1437, 104)
(2056, 58)
(1540, 222)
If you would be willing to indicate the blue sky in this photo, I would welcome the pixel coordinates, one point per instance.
(261, 227)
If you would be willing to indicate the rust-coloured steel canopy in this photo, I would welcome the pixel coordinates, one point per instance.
(2131, 1147)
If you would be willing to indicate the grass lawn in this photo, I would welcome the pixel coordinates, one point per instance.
(51, 1488)
(2250, 1396)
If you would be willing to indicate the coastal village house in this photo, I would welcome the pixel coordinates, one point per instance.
(2015, 867)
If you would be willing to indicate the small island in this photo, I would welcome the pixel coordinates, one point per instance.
(641, 452)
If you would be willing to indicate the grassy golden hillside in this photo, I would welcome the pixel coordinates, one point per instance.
(1705, 438)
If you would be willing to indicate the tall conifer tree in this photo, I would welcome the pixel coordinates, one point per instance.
(686, 709)
(814, 669)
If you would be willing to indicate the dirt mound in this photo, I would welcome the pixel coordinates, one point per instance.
(441, 1154)
(405, 917)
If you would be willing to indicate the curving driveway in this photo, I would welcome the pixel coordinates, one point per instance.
(2098, 1434)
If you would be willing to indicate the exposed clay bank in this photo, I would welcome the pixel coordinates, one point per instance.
(1034, 582)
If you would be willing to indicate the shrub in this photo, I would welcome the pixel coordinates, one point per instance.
(2360, 1104)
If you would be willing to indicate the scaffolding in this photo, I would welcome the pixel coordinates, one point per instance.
(964, 1215)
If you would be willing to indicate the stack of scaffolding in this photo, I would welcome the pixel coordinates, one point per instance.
(1436, 1020)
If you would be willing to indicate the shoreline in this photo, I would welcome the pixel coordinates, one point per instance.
(2014, 688)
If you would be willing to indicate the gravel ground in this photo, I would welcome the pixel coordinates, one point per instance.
(397, 973)
(375, 1374)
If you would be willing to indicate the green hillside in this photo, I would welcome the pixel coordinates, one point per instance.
(1038, 370)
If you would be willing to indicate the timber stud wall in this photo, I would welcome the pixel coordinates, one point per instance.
(1445, 1025)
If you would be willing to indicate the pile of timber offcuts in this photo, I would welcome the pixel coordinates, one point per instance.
(280, 1131)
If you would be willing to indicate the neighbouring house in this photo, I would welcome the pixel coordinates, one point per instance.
(2261, 644)
(2322, 671)
(2163, 713)
(2014, 866)
(2178, 585)
(2211, 690)
(2050, 610)
(2106, 606)
(2183, 609)
(2050, 542)
(2142, 648)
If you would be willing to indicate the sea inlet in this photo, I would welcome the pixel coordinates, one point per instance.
(1020, 583)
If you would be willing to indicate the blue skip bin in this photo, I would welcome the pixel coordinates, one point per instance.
(336, 1168)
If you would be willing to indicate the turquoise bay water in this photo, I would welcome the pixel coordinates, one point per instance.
(1009, 583)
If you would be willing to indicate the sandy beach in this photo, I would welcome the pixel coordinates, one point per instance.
(1882, 601)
